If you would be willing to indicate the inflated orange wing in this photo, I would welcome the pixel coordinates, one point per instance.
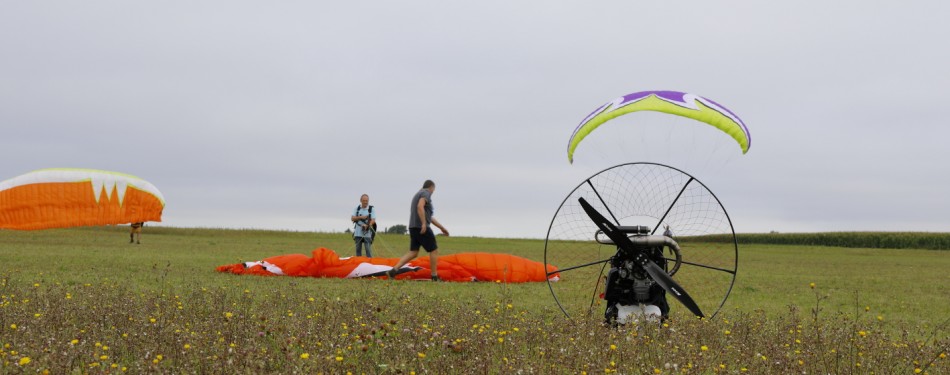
(60, 198)
(456, 267)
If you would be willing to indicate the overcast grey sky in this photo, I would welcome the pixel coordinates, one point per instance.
(278, 115)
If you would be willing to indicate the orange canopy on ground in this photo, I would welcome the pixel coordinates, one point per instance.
(456, 267)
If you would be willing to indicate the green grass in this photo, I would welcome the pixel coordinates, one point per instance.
(907, 285)
(85, 300)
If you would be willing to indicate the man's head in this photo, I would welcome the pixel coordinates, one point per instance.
(364, 200)
(429, 185)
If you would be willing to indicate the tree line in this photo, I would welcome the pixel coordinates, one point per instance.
(395, 229)
(872, 240)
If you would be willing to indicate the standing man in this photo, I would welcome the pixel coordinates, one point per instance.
(364, 226)
(420, 230)
(135, 233)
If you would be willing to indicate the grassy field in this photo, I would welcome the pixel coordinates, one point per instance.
(87, 301)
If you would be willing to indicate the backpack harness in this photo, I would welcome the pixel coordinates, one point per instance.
(370, 208)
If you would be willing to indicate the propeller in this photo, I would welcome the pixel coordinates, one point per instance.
(626, 246)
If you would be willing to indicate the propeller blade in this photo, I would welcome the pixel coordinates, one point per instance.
(657, 273)
(671, 287)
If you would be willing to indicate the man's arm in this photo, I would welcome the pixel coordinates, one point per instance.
(444, 231)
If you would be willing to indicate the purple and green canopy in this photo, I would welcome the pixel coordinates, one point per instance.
(671, 102)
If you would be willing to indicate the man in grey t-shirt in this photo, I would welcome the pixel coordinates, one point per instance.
(420, 232)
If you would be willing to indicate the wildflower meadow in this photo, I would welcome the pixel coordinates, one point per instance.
(85, 301)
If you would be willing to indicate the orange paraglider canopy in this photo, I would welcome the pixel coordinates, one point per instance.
(456, 267)
(61, 198)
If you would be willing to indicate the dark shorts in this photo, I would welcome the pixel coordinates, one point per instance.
(425, 240)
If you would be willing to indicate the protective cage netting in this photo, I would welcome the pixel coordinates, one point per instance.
(647, 194)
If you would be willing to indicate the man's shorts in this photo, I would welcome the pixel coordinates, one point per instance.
(425, 240)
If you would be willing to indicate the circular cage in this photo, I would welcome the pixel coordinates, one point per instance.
(660, 198)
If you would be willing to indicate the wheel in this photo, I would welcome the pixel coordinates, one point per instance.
(651, 195)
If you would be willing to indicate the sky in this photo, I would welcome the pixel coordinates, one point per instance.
(279, 115)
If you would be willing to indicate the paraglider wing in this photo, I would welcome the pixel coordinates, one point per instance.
(61, 198)
(671, 102)
(456, 267)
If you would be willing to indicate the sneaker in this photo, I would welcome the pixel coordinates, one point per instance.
(436, 278)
